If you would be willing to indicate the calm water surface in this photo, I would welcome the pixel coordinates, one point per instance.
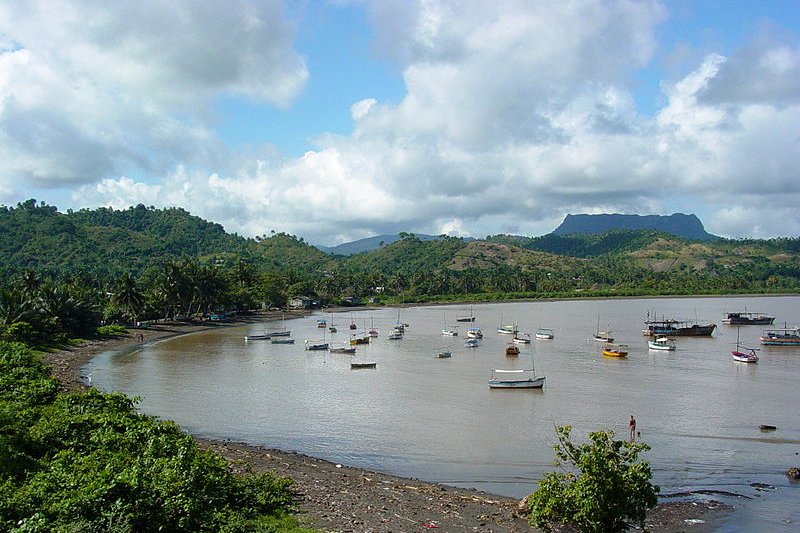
(436, 419)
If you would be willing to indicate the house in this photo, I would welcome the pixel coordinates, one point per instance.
(303, 302)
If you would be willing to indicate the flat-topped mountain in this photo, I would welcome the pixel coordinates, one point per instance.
(685, 226)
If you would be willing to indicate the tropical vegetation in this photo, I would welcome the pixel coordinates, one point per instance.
(603, 488)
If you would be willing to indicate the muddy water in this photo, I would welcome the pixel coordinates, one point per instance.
(420, 416)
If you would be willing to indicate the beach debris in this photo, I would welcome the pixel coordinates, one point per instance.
(793, 473)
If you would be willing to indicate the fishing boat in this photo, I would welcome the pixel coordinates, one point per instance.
(282, 341)
(524, 339)
(748, 319)
(615, 350)
(516, 379)
(781, 337)
(743, 354)
(472, 343)
(544, 334)
(474, 333)
(316, 345)
(602, 336)
(669, 327)
(321, 322)
(512, 350)
(264, 337)
(662, 343)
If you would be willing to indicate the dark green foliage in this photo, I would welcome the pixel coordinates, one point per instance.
(90, 462)
(605, 489)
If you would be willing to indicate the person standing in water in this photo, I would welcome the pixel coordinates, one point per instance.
(632, 428)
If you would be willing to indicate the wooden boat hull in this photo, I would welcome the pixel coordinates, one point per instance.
(615, 353)
(355, 366)
(529, 383)
(315, 347)
(784, 337)
(343, 350)
(695, 330)
(747, 319)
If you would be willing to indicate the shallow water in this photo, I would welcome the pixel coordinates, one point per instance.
(436, 419)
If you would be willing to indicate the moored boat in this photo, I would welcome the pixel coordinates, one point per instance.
(472, 343)
(676, 328)
(521, 339)
(282, 341)
(356, 339)
(748, 319)
(781, 337)
(512, 350)
(743, 354)
(474, 333)
(615, 350)
(516, 379)
(508, 329)
(265, 337)
(545, 334)
(316, 345)
(662, 343)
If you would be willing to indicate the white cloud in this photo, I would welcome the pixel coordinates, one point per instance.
(515, 113)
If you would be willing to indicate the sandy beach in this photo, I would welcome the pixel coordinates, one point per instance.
(340, 498)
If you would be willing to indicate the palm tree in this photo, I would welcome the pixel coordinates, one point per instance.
(126, 295)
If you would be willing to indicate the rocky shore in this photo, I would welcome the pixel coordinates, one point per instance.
(339, 498)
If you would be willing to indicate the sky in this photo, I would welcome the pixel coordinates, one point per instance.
(342, 119)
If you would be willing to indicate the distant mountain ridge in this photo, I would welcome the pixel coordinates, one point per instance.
(679, 224)
(373, 243)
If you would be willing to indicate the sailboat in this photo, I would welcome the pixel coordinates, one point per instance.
(372, 331)
(743, 354)
(283, 331)
(362, 364)
(468, 318)
(602, 336)
(516, 379)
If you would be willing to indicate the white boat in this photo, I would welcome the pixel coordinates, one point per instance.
(395, 335)
(545, 334)
(525, 339)
(602, 336)
(743, 354)
(474, 333)
(451, 332)
(516, 379)
(472, 343)
(662, 343)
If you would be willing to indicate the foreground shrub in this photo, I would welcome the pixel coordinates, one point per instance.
(610, 490)
(89, 462)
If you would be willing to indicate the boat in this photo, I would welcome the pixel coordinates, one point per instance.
(451, 331)
(396, 334)
(282, 341)
(521, 340)
(332, 328)
(284, 333)
(444, 352)
(342, 349)
(372, 331)
(361, 364)
(545, 334)
(321, 322)
(662, 343)
(474, 333)
(472, 343)
(353, 324)
(264, 337)
(781, 337)
(468, 318)
(316, 345)
(602, 336)
(508, 329)
(516, 379)
(743, 354)
(669, 327)
(746, 318)
(359, 339)
(512, 350)
(615, 350)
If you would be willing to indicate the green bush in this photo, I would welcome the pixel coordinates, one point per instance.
(90, 462)
(611, 489)
(111, 330)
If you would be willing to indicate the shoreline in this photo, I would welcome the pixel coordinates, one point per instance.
(339, 498)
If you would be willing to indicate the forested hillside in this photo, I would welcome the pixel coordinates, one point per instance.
(144, 262)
